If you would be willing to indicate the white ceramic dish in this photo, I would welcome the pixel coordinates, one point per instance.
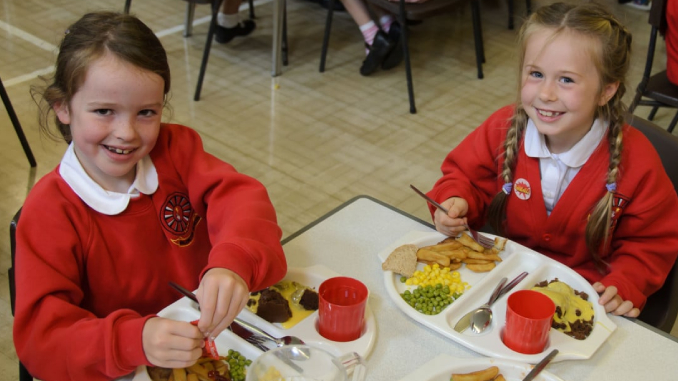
(186, 310)
(516, 259)
(442, 367)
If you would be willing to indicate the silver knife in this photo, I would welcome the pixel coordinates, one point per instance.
(540, 366)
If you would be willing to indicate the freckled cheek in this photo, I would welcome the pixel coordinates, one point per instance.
(526, 95)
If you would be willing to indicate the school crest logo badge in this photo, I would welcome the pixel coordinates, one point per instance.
(522, 189)
(619, 201)
(179, 219)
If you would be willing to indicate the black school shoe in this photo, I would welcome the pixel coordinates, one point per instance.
(381, 47)
(395, 57)
(224, 35)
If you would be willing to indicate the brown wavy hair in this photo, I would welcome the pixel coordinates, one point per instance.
(611, 59)
(87, 40)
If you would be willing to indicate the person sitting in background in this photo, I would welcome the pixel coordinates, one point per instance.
(229, 24)
(381, 40)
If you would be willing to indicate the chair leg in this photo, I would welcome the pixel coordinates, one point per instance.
(653, 112)
(402, 19)
(636, 100)
(251, 6)
(673, 123)
(188, 21)
(284, 36)
(216, 4)
(326, 37)
(480, 29)
(23, 373)
(478, 37)
(17, 125)
(510, 14)
(128, 5)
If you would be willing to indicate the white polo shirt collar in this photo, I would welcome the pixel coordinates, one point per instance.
(96, 197)
(535, 144)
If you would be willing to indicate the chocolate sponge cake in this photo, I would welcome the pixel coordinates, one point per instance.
(309, 300)
(286, 302)
(273, 307)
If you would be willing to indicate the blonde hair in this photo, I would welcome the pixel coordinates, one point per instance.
(612, 62)
(87, 40)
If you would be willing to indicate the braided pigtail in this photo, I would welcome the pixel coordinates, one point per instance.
(497, 210)
(613, 65)
(598, 226)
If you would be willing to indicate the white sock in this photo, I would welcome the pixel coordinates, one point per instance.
(228, 21)
(369, 31)
(385, 21)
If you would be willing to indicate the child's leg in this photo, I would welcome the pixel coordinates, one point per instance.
(358, 11)
(385, 18)
(230, 24)
(379, 44)
(229, 17)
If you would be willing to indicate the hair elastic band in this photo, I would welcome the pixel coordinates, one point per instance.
(611, 187)
(506, 188)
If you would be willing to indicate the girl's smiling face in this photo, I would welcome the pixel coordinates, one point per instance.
(115, 120)
(561, 86)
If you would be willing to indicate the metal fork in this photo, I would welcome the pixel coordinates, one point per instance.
(258, 342)
(279, 341)
(483, 240)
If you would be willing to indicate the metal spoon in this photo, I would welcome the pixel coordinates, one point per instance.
(482, 317)
(465, 320)
(279, 341)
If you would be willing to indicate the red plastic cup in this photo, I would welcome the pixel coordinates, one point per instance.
(528, 321)
(341, 308)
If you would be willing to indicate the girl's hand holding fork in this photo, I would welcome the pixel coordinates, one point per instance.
(454, 222)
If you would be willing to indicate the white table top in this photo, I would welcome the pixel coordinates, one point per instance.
(348, 241)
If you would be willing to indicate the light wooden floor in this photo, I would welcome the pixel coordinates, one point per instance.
(314, 139)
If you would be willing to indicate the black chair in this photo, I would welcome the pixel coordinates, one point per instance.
(416, 11)
(23, 372)
(528, 5)
(657, 88)
(216, 4)
(661, 308)
(17, 125)
(190, 13)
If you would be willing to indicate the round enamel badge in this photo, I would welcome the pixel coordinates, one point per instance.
(522, 189)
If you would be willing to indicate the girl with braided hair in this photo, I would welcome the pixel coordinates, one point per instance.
(561, 172)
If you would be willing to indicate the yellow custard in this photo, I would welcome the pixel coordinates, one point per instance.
(291, 291)
(564, 297)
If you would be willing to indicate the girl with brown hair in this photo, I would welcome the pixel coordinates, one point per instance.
(134, 204)
(561, 172)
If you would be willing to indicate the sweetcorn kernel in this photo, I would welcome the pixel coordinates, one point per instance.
(433, 274)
